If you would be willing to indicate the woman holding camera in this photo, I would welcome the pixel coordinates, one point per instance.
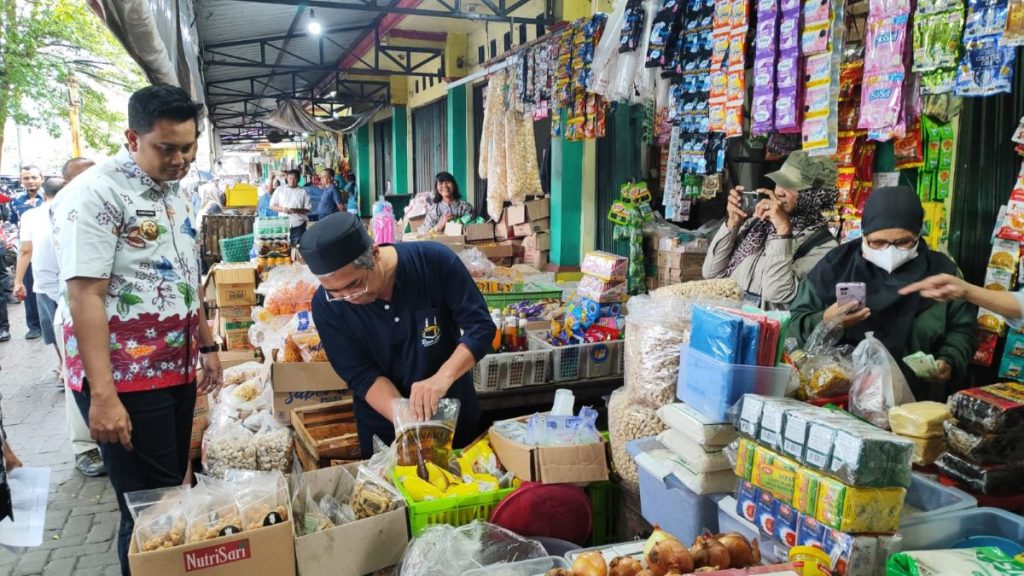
(770, 249)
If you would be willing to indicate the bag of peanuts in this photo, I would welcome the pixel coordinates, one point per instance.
(159, 517)
(627, 421)
(226, 445)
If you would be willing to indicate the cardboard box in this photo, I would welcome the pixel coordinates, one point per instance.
(518, 250)
(538, 209)
(515, 215)
(454, 229)
(298, 384)
(235, 285)
(502, 231)
(361, 547)
(552, 464)
(537, 241)
(200, 420)
(234, 358)
(266, 551)
(233, 326)
(454, 242)
(543, 225)
(522, 230)
(538, 258)
(479, 232)
(496, 251)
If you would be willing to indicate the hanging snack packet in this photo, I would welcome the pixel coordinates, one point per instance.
(762, 114)
(789, 31)
(985, 69)
(788, 70)
(884, 45)
(909, 150)
(985, 18)
(881, 98)
(787, 116)
(1013, 33)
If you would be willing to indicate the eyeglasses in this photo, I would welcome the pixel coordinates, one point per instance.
(350, 292)
(900, 244)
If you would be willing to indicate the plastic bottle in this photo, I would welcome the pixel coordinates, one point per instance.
(496, 318)
(524, 344)
(511, 334)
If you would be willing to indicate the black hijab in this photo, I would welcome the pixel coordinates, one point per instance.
(892, 315)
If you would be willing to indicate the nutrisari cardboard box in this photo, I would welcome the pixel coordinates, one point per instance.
(268, 551)
(552, 464)
(361, 547)
(298, 384)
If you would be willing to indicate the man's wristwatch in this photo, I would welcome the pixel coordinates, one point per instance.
(209, 349)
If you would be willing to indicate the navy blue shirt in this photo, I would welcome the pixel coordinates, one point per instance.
(435, 306)
(329, 202)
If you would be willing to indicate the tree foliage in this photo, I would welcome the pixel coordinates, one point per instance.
(42, 44)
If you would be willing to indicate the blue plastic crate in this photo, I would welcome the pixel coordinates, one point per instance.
(947, 530)
(665, 501)
(927, 497)
(712, 387)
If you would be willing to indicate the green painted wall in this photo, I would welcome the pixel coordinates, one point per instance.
(458, 132)
(399, 150)
(566, 201)
(363, 174)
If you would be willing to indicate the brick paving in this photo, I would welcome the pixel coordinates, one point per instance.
(82, 517)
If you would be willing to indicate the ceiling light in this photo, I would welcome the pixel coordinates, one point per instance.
(313, 26)
(332, 94)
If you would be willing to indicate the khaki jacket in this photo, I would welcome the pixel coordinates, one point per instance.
(770, 274)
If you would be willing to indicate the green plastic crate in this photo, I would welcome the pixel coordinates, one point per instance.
(530, 293)
(454, 510)
(604, 504)
(236, 249)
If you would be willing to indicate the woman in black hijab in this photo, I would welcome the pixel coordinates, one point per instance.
(890, 256)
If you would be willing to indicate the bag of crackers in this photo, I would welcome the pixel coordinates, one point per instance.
(825, 369)
(159, 517)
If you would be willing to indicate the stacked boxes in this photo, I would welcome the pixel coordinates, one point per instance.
(986, 439)
(526, 228)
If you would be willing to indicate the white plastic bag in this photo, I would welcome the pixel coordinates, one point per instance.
(878, 383)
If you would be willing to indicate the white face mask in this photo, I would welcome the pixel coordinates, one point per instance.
(888, 259)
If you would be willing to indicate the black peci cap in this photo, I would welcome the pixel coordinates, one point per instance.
(334, 242)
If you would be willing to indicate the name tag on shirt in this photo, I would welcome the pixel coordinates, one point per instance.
(146, 213)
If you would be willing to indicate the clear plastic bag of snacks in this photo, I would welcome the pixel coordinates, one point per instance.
(159, 517)
(419, 442)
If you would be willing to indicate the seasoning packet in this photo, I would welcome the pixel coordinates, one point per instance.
(985, 69)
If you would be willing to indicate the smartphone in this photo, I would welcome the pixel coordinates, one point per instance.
(749, 200)
(847, 292)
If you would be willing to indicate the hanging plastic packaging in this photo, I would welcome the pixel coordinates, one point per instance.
(878, 383)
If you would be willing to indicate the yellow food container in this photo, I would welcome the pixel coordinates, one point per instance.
(810, 561)
(242, 195)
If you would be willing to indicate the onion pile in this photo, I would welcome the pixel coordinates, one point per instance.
(665, 555)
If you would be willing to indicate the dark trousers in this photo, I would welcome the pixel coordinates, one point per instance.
(296, 234)
(5, 289)
(31, 309)
(161, 432)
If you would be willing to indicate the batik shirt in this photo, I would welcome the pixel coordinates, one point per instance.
(115, 223)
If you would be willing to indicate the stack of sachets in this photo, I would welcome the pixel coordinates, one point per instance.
(986, 439)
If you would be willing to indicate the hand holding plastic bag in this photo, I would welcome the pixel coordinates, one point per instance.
(878, 383)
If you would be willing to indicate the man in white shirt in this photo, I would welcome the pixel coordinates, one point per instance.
(37, 249)
(295, 202)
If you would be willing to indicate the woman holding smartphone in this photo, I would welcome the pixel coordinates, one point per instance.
(769, 244)
(889, 261)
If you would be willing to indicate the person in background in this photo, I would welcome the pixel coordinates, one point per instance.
(266, 190)
(948, 288)
(768, 252)
(446, 205)
(333, 200)
(292, 200)
(316, 187)
(88, 460)
(397, 321)
(37, 249)
(353, 193)
(123, 229)
(31, 182)
(889, 257)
